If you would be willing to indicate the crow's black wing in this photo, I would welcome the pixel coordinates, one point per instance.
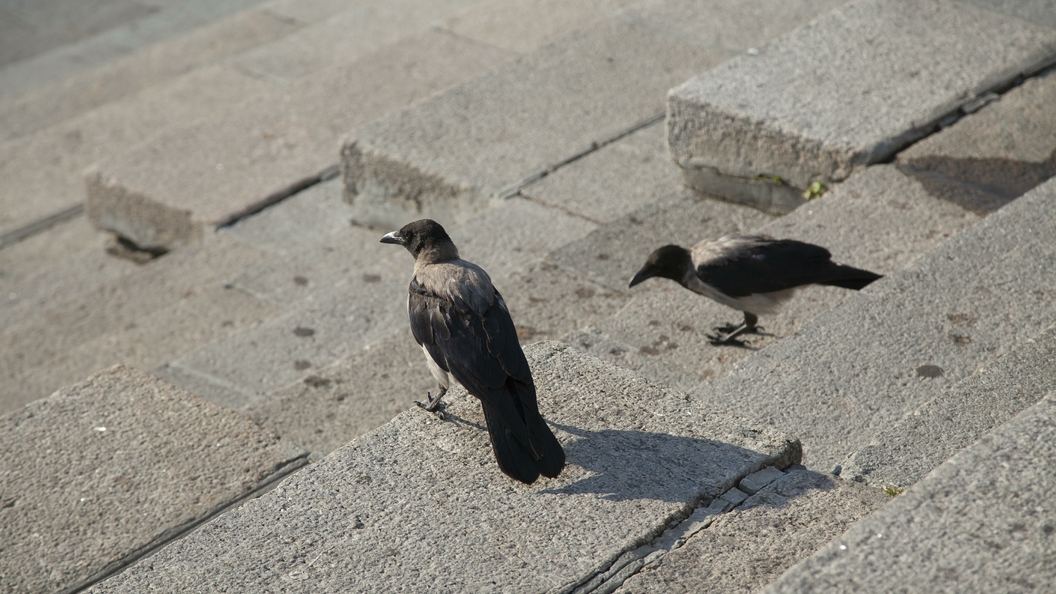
(771, 266)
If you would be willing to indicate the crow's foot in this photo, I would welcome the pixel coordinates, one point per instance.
(434, 405)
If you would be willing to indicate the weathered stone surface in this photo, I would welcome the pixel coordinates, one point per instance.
(880, 220)
(982, 522)
(925, 438)
(749, 547)
(372, 515)
(859, 368)
(613, 181)
(993, 156)
(49, 104)
(448, 157)
(784, 112)
(122, 308)
(237, 161)
(106, 470)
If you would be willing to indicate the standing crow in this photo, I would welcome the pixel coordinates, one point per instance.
(462, 324)
(752, 273)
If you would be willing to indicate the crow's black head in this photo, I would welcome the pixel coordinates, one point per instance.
(670, 261)
(424, 238)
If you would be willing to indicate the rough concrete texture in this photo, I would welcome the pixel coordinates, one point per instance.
(72, 59)
(106, 469)
(66, 260)
(357, 29)
(237, 161)
(879, 220)
(613, 181)
(859, 368)
(749, 547)
(122, 308)
(925, 438)
(49, 104)
(730, 27)
(981, 522)
(992, 157)
(784, 112)
(530, 115)
(420, 504)
(48, 166)
(351, 397)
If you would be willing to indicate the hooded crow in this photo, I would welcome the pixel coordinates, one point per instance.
(751, 273)
(462, 324)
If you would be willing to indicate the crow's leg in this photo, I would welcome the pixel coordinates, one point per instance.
(729, 331)
(433, 405)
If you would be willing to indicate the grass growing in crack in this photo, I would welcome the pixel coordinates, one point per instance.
(893, 491)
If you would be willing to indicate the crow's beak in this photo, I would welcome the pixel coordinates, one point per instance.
(393, 237)
(641, 276)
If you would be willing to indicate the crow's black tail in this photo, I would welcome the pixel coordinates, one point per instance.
(849, 277)
(525, 462)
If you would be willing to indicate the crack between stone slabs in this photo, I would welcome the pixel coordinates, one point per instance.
(278, 196)
(25, 232)
(173, 534)
(630, 562)
(516, 187)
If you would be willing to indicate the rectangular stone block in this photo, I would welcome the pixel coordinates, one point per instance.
(991, 157)
(761, 128)
(107, 470)
(981, 522)
(238, 161)
(448, 157)
(638, 458)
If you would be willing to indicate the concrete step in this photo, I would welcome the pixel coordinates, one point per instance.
(983, 521)
(925, 438)
(858, 369)
(47, 104)
(764, 127)
(880, 220)
(241, 160)
(108, 470)
(102, 30)
(765, 534)
(991, 157)
(639, 462)
(528, 119)
(145, 317)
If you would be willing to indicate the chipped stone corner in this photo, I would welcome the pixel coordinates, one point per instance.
(134, 217)
(387, 192)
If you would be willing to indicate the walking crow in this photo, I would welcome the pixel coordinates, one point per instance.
(462, 324)
(751, 273)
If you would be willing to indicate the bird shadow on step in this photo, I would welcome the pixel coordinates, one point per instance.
(622, 465)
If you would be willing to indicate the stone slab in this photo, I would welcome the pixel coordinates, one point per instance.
(72, 59)
(238, 161)
(373, 514)
(993, 156)
(981, 522)
(537, 22)
(448, 157)
(63, 261)
(351, 397)
(859, 368)
(728, 27)
(358, 29)
(925, 438)
(111, 468)
(787, 111)
(48, 104)
(114, 306)
(613, 181)
(880, 220)
(749, 547)
(43, 172)
(342, 290)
